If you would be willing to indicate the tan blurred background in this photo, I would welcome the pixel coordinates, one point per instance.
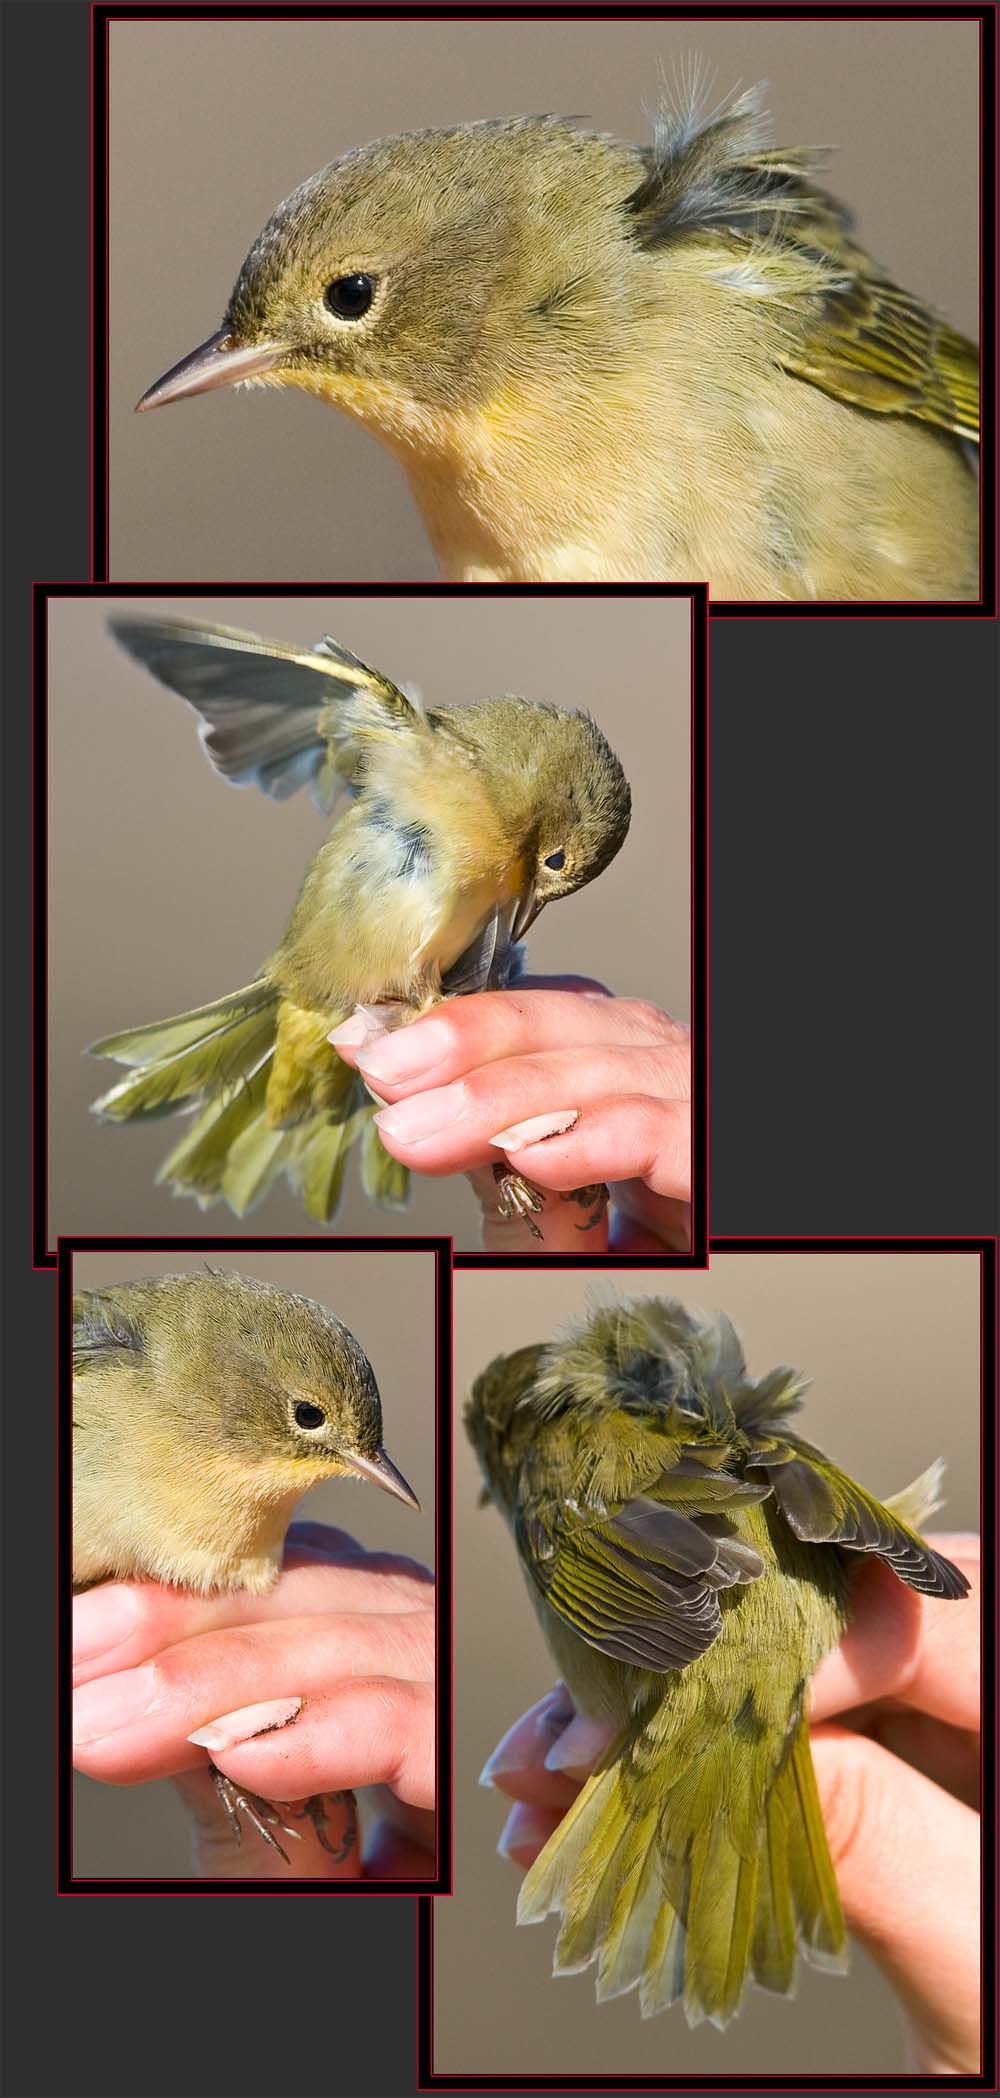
(142, 1830)
(167, 887)
(892, 1344)
(212, 123)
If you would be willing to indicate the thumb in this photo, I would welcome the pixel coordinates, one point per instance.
(222, 1853)
(907, 1861)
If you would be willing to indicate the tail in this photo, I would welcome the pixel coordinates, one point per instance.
(692, 1889)
(219, 1059)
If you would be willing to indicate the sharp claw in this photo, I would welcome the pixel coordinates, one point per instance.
(257, 1811)
(516, 1197)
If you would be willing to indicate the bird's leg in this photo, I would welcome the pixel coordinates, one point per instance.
(258, 1811)
(595, 1197)
(516, 1197)
(315, 1810)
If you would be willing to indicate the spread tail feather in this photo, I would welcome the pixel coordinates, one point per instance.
(217, 1060)
(704, 1887)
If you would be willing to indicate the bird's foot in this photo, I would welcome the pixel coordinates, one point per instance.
(595, 1198)
(516, 1197)
(260, 1812)
(316, 1810)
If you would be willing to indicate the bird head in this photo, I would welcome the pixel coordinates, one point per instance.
(292, 1394)
(420, 277)
(559, 789)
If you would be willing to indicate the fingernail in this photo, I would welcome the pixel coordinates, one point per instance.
(579, 1745)
(246, 1724)
(533, 1131)
(500, 1763)
(113, 1702)
(524, 1831)
(520, 1745)
(407, 1052)
(426, 1115)
(102, 1619)
(350, 1033)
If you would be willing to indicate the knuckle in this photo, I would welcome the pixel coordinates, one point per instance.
(654, 1021)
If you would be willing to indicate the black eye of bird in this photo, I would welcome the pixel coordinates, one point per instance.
(350, 297)
(556, 860)
(309, 1416)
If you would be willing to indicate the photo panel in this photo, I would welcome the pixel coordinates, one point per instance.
(715, 315)
(228, 1412)
(891, 1348)
(551, 846)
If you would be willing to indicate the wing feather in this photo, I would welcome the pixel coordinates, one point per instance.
(271, 715)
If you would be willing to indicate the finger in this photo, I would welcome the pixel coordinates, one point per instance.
(517, 1765)
(642, 1222)
(136, 1724)
(526, 1831)
(559, 1227)
(120, 1624)
(907, 1863)
(402, 1842)
(366, 1731)
(391, 1855)
(454, 1127)
(461, 1034)
(640, 1137)
(916, 1648)
(221, 1853)
(948, 1755)
(417, 1823)
(545, 1755)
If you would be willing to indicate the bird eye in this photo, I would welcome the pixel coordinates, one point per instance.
(309, 1416)
(556, 860)
(350, 297)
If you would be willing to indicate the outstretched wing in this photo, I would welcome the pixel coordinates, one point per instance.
(272, 715)
(643, 1585)
(823, 1506)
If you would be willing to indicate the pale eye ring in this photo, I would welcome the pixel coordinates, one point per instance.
(307, 1416)
(556, 860)
(350, 297)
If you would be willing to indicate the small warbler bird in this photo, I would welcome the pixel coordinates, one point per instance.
(463, 823)
(204, 1407)
(612, 362)
(688, 1557)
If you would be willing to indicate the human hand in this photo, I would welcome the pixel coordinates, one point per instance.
(348, 1632)
(898, 1779)
(477, 1069)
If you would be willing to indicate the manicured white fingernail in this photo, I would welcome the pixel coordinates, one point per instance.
(533, 1131)
(246, 1724)
(350, 1034)
(579, 1745)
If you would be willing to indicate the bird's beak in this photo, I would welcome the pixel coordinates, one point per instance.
(381, 1470)
(526, 910)
(214, 363)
